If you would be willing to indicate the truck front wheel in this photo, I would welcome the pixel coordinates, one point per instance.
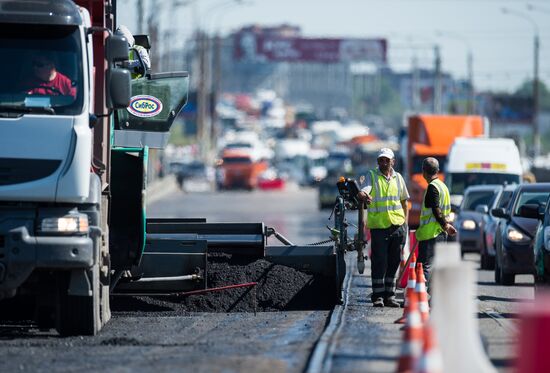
(79, 314)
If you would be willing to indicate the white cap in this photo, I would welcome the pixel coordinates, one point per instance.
(386, 152)
(123, 30)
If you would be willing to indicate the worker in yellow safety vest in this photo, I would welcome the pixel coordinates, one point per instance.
(386, 195)
(138, 65)
(436, 207)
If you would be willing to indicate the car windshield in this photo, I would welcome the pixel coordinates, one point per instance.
(504, 199)
(236, 160)
(536, 198)
(42, 68)
(238, 145)
(477, 198)
(460, 181)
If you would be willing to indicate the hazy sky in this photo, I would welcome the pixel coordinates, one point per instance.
(501, 44)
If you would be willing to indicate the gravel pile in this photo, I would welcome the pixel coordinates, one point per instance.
(279, 288)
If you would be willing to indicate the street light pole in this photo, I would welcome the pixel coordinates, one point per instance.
(536, 42)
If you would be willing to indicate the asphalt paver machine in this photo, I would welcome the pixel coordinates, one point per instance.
(73, 166)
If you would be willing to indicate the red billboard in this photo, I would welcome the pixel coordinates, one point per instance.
(256, 47)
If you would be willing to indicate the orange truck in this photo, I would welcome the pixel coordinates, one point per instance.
(432, 136)
(240, 169)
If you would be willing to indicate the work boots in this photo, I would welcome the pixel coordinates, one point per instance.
(378, 302)
(391, 302)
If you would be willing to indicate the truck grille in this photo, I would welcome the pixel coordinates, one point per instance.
(16, 170)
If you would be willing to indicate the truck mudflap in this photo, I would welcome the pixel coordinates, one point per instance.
(177, 252)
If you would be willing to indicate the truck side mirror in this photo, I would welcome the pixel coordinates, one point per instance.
(482, 209)
(119, 89)
(500, 213)
(116, 48)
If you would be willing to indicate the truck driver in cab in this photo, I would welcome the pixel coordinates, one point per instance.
(47, 80)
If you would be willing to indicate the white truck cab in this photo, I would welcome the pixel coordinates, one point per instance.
(73, 157)
(480, 161)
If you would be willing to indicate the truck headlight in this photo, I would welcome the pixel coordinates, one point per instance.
(71, 223)
(469, 225)
(516, 236)
(451, 218)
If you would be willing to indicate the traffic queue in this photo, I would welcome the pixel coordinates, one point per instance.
(508, 226)
(518, 242)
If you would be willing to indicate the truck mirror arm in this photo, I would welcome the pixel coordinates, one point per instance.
(94, 29)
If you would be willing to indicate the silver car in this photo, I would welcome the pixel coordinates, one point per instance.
(490, 223)
(469, 221)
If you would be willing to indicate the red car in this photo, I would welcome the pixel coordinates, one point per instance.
(270, 180)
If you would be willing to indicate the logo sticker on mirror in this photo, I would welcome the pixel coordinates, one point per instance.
(145, 106)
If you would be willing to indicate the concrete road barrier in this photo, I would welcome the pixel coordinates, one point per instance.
(454, 313)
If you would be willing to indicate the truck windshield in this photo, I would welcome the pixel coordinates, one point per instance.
(474, 199)
(42, 69)
(461, 180)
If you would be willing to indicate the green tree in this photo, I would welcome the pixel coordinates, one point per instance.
(526, 90)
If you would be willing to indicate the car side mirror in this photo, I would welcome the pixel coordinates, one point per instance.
(482, 209)
(500, 213)
(531, 211)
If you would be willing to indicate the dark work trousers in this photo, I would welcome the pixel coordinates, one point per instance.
(386, 255)
(426, 255)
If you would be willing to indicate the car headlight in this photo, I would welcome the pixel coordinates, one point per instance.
(451, 218)
(469, 225)
(71, 223)
(516, 236)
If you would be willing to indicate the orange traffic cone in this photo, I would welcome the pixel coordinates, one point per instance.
(411, 348)
(422, 294)
(410, 291)
(430, 361)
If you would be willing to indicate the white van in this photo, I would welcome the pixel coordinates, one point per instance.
(480, 161)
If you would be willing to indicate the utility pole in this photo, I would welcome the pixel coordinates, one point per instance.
(536, 42)
(472, 91)
(202, 95)
(216, 85)
(471, 95)
(536, 134)
(140, 17)
(437, 81)
(415, 89)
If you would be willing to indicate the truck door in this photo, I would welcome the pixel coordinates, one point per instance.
(156, 101)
